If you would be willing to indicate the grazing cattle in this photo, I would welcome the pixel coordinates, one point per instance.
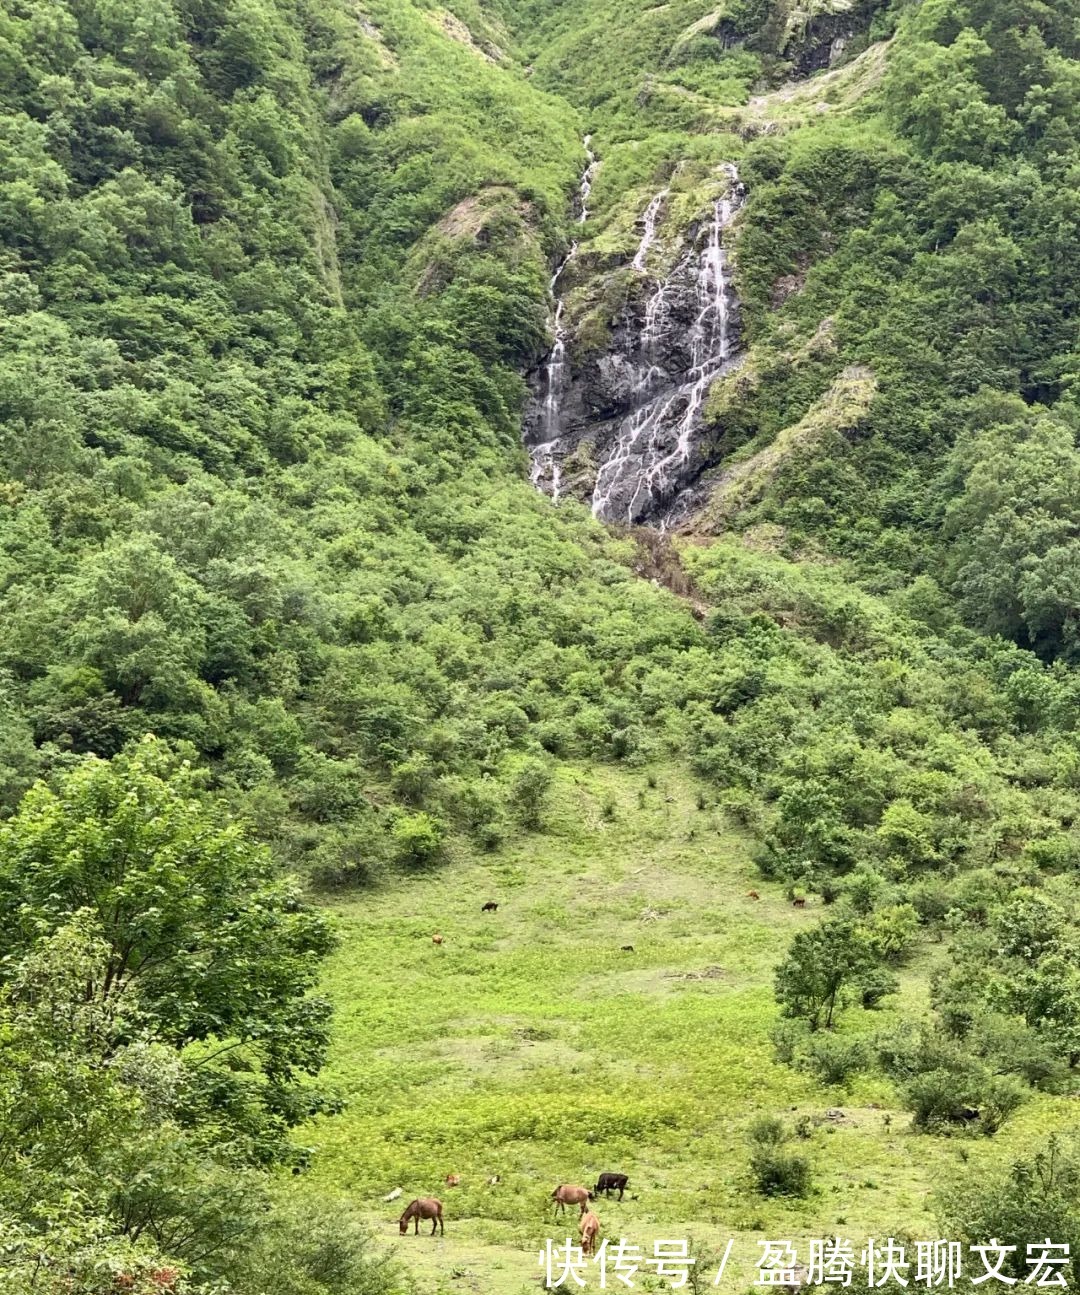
(566, 1194)
(453, 1180)
(590, 1226)
(490, 907)
(628, 948)
(494, 1180)
(752, 894)
(608, 1183)
(436, 938)
(799, 902)
(424, 1207)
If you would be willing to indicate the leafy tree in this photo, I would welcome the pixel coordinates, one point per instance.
(198, 940)
(823, 967)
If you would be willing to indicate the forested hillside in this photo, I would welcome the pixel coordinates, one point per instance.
(285, 624)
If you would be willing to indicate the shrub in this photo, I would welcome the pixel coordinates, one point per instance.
(875, 985)
(1010, 1045)
(937, 1098)
(768, 1131)
(786, 1036)
(528, 792)
(834, 1060)
(417, 839)
(963, 1097)
(776, 1172)
(780, 1173)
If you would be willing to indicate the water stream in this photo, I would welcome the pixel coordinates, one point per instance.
(645, 445)
(669, 355)
(649, 220)
(544, 463)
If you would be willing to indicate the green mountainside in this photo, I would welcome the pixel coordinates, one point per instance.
(287, 635)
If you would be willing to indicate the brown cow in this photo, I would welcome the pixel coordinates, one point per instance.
(590, 1226)
(424, 1207)
(453, 1180)
(752, 894)
(566, 1194)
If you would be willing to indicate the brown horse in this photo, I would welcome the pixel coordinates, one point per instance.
(590, 1226)
(566, 1194)
(424, 1207)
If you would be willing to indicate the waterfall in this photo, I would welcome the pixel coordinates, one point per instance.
(555, 369)
(587, 178)
(544, 463)
(654, 442)
(649, 219)
(638, 405)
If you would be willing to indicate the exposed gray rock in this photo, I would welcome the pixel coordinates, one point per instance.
(620, 427)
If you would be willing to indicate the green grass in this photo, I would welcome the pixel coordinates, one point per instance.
(530, 1046)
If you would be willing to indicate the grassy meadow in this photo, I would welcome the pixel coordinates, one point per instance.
(530, 1046)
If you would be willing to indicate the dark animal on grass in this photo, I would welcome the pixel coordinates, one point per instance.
(628, 948)
(752, 894)
(424, 1207)
(799, 903)
(453, 1180)
(490, 907)
(436, 938)
(590, 1226)
(567, 1194)
(608, 1183)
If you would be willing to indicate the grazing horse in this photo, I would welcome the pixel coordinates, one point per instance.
(566, 1194)
(490, 907)
(590, 1226)
(608, 1183)
(424, 1207)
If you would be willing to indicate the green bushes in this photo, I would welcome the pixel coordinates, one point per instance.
(776, 1171)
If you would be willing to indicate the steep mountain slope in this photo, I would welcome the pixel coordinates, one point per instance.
(277, 298)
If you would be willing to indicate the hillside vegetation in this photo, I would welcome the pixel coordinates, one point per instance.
(292, 654)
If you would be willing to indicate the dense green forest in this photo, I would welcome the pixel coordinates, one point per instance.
(282, 616)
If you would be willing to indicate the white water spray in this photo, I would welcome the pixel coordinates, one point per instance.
(544, 463)
(586, 181)
(655, 441)
(649, 219)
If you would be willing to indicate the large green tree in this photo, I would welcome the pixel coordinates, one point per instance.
(200, 942)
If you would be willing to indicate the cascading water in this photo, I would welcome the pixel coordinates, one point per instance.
(587, 178)
(650, 218)
(636, 407)
(544, 464)
(655, 440)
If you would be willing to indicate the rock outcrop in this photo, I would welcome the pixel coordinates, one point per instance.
(617, 424)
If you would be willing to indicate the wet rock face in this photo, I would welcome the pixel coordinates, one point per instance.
(620, 429)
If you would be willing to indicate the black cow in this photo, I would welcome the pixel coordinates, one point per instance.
(490, 907)
(606, 1183)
